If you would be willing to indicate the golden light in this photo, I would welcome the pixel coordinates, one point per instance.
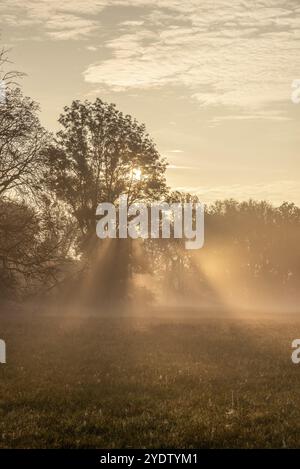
(137, 174)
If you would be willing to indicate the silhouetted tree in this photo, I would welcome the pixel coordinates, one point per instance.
(95, 158)
(34, 240)
(22, 140)
(34, 248)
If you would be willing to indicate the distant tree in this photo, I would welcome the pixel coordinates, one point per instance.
(251, 251)
(167, 259)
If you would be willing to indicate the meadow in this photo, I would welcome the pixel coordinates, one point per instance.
(84, 381)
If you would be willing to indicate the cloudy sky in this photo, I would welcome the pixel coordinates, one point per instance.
(212, 80)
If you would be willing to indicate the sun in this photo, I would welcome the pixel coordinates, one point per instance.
(137, 174)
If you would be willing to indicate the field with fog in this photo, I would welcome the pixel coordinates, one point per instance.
(107, 365)
(182, 381)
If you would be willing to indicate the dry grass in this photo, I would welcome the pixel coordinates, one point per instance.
(104, 383)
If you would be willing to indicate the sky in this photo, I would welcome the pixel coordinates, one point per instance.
(212, 81)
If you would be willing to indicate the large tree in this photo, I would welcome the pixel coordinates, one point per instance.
(99, 154)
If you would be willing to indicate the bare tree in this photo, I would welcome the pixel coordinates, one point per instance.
(35, 235)
(8, 77)
(35, 247)
(22, 140)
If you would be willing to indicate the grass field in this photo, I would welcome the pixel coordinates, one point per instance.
(104, 383)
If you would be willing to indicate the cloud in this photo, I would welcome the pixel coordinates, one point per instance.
(236, 54)
(175, 151)
(177, 167)
(132, 23)
(68, 26)
(273, 115)
(227, 54)
(71, 20)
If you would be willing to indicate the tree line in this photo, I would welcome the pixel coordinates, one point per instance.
(50, 186)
